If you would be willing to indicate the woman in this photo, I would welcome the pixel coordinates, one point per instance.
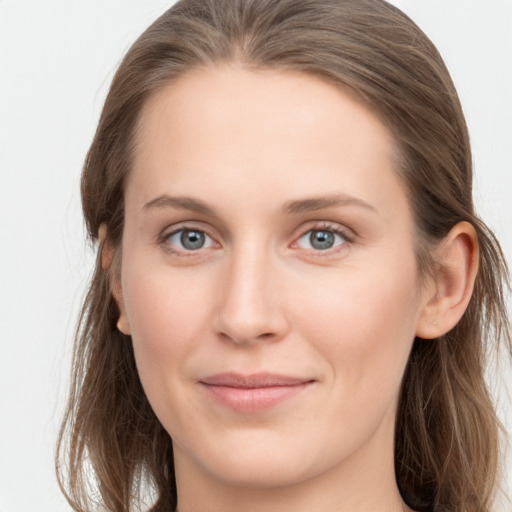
(293, 297)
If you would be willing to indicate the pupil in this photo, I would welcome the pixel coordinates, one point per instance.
(321, 239)
(192, 240)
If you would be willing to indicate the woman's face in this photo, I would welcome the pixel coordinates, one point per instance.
(268, 278)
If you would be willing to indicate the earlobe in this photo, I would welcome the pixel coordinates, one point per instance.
(107, 256)
(456, 267)
(123, 324)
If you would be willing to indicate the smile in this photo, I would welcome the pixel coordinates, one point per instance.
(253, 393)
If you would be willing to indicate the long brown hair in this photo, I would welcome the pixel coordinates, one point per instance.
(111, 444)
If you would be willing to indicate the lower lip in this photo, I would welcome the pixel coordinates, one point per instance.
(253, 399)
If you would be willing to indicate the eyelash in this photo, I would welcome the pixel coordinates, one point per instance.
(324, 226)
(331, 228)
(165, 237)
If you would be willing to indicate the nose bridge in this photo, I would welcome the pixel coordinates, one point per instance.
(249, 306)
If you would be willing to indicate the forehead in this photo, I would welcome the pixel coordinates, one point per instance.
(230, 97)
(280, 130)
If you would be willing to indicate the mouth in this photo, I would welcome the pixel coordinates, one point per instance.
(255, 392)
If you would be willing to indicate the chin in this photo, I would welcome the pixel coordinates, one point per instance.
(262, 461)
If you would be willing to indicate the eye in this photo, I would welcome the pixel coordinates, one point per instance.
(185, 239)
(321, 239)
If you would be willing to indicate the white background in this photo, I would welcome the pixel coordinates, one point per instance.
(56, 61)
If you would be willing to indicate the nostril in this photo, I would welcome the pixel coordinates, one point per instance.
(265, 335)
(247, 339)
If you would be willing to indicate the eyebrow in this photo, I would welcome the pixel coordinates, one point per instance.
(319, 203)
(181, 203)
(290, 208)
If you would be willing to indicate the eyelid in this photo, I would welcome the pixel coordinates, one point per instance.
(169, 231)
(347, 234)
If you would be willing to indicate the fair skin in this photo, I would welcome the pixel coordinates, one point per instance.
(298, 262)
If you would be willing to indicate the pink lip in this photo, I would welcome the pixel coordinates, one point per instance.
(252, 393)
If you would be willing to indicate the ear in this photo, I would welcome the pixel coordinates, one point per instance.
(107, 264)
(449, 293)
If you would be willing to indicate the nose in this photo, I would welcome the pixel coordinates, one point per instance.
(250, 300)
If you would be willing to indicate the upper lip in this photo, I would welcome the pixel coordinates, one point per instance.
(255, 380)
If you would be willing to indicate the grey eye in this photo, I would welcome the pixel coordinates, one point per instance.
(190, 239)
(321, 239)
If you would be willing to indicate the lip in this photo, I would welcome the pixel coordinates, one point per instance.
(254, 392)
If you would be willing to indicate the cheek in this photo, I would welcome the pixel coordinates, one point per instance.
(167, 314)
(364, 322)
